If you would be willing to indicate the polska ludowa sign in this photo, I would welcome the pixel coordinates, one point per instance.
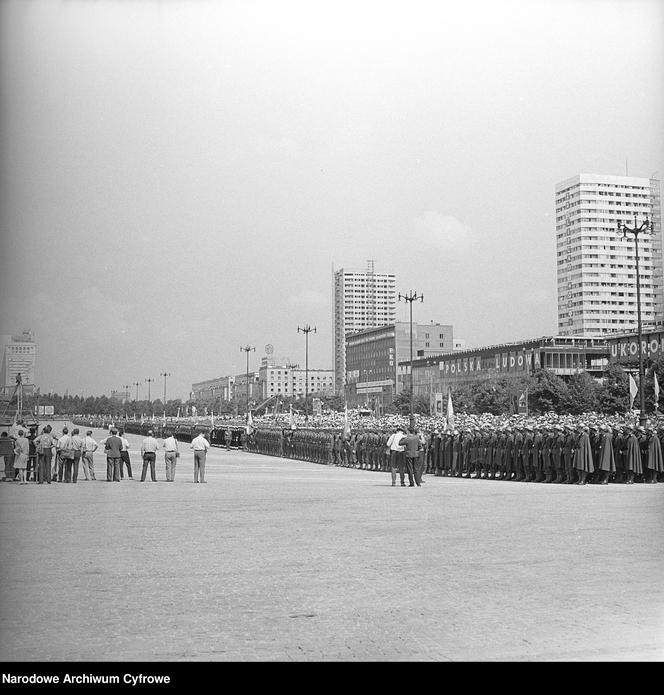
(514, 361)
(628, 348)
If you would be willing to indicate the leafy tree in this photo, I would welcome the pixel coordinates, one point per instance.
(613, 391)
(548, 392)
(581, 395)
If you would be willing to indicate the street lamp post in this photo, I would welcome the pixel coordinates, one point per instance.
(410, 298)
(644, 227)
(149, 380)
(126, 390)
(165, 374)
(247, 349)
(306, 330)
(136, 384)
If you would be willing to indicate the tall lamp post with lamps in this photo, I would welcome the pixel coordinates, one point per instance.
(247, 349)
(645, 227)
(410, 298)
(306, 330)
(149, 380)
(137, 384)
(165, 374)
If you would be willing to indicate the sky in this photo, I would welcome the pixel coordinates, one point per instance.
(179, 179)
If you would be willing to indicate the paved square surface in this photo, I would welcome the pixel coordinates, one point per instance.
(282, 560)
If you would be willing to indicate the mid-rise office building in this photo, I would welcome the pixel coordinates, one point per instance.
(289, 380)
(373, 356)
(596, 266)
(362, 299)
(221, 388)
(19, 353)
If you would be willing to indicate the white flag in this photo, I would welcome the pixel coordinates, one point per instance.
(654, 374)
(250, 423)
(450, 410)
(633, 390)
(346, 423)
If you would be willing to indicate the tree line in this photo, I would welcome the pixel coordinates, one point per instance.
(544, 390)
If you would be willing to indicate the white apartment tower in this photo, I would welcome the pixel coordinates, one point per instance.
(362, 299)
(596, 265)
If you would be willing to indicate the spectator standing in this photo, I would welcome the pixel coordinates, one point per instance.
(21, 454)
(396, 457)
(63, 449)
(171, 456)
(44, 444)
(113, 449)
(77, 445)
(124, 456)
(149, 448)
(200, 445)
(89, 448)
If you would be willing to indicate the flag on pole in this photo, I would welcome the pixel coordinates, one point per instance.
(291, 418)
(450, 410)
(633, 390)
(164, 417)
(654, 374)
(142, 418)
(250, 423)
(346, 431)
(212, 418)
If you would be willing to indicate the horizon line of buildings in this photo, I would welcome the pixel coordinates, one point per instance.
(596, 270)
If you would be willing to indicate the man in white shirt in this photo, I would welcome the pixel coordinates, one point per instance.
(200, 445)
(397, 457)
(149, 448)
(63, 465)
(124, 456)
(89, 447)
(77, 445)
(170, 456)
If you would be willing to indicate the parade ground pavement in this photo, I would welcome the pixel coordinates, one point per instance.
(283, 560)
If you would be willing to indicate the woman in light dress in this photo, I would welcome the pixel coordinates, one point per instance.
(21, 453)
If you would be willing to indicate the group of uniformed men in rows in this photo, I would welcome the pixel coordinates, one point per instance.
(530, 452)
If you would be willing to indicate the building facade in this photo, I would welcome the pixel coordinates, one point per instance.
(19, 354)
(563, 355)
(624, 348)
(373, 356)
(362, 299)
(596, 266)
(288, 380)
(213, 389)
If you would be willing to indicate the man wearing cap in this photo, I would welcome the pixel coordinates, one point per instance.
(149, 448)
(606, 462)
(654, 464)
(583, 455)
(526, 448)
(633, 465)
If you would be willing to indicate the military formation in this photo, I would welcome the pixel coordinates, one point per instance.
(547, 449)
(536, 451)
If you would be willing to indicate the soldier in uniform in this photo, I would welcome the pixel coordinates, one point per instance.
(606, 463)
(569, 447)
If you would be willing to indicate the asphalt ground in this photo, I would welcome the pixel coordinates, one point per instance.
(282, 560)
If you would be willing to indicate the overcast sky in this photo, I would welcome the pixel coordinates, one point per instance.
(179, 178)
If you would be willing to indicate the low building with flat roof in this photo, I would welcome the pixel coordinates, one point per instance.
(563, 355)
